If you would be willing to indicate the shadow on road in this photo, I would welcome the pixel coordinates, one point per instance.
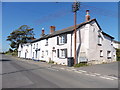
(21, 71)
(4, 60)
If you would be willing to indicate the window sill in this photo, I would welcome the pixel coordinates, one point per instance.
(42, 57)
(108, 57)
(62, 57)
(100, 44)
(61, 44)
(46, 45)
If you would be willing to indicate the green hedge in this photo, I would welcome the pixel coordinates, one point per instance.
(118, 54)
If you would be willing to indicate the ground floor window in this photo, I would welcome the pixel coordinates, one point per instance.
(62, 53)
(36, 54)
(42, 54)
(109, 54)
(46, 52)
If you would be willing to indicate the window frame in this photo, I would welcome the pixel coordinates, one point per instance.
(62, 39)
(62, 53)
(42, 55)
(99, 40)
(46, 43)
(47, 52)
(109, 54)
(101, 53)
(34, 46)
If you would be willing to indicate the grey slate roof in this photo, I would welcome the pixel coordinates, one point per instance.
(69, 30)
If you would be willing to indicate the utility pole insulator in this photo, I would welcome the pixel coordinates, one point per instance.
(75, 6)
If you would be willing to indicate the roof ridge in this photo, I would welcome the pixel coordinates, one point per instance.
(77, 24)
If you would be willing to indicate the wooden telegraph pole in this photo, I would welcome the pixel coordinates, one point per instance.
(75, 8)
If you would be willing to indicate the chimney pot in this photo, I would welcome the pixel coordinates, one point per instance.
(43, 32)
(87, 15)
(52, 29)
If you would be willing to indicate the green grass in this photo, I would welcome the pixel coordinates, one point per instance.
(80, 65)
(11, 53)
(51, 62)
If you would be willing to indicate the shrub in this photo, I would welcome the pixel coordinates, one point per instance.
(51, 61)
(118, 54)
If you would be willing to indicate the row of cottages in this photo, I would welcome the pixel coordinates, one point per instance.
(92, 44)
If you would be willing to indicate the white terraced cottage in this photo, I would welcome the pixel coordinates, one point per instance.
(93, 45)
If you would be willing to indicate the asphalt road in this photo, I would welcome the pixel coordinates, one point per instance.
(19, 74)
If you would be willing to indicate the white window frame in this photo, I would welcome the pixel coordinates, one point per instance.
(62, 39)
(62, 53)
(109, 54)
(99, 40)
(46, 52)
(46, 44)
(34, 46)
(101, 53)
(42, 54)
(37, 45)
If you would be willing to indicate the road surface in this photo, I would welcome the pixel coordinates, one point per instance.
(19, 74)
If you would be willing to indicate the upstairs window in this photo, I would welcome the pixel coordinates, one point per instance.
(62, 39)
(46, 42)
(101, 53)
(99, 40)
(37, 45)
(109, 54)
(34, 46)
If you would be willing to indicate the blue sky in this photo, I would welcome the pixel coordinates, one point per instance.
(40, 15)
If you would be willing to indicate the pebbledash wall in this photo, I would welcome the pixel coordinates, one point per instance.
(93, 45)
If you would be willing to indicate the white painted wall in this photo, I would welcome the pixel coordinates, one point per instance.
(87, 46)
(94, 48)
(116, 45)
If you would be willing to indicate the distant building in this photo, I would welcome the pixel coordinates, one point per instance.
(116, 44)
(93, 45)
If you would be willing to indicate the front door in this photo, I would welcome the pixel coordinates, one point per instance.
(53, 54)
(36, 54)
(25, 54)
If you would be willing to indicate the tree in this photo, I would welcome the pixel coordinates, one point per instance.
(118, 54)
(22, 35)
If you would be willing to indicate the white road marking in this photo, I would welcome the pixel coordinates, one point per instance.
(78, 72)
(96, 73)
(53, 69)
(87, 74)
(68, 70)
(62, 68)
(114, 78)
(82, 71)
(73, 69)
(111, 77)
(92, 75)
(106, 78)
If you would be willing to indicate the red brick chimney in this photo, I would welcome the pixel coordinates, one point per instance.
(52, 29)
(87, 15)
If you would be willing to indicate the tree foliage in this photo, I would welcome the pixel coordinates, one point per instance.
(22, 35)
(118, 54)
